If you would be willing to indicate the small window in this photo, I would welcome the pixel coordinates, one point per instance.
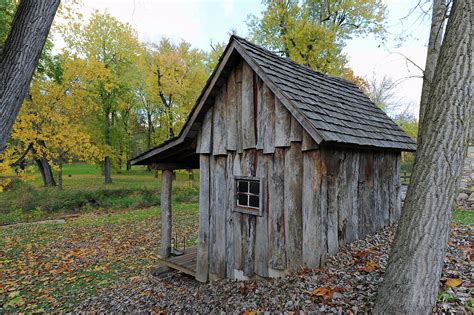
(248, 195)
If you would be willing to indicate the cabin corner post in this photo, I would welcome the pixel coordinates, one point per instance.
(166, 183)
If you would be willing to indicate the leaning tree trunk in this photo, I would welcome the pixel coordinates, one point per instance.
(411, 281)
(46, 172)
(438, 19)
(19, 57)
(44, 166)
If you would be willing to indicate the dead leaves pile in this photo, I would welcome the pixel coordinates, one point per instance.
(53, 267)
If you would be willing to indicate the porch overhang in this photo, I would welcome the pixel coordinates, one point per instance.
(173, 154)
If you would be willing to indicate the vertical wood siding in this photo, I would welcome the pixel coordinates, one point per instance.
(315, 198)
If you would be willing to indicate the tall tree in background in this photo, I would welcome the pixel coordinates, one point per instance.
(19, 57)
(314, 32)
(411, 280)
(180, 73)
(115, 45)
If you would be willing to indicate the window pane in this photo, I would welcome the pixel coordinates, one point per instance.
(254, 201)
(243, 186)
(255, 188)
(242, 201)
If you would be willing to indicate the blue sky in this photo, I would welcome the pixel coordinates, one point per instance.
(202, 21)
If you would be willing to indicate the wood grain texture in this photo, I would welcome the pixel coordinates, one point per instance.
(218, 224)
(296, 131)
(202, 265)
(314, 245)
(238, 264)
(205, 142)
(282, 125)
(269, 130)
(332, 161)
(166, 183)
(293, 206)
(248, 118)
(219, 124)
(276, 210)
(261, 228)
(229, 216)
(231, 113)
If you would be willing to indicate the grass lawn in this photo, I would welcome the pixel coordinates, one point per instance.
(85, 191)
(50, 267)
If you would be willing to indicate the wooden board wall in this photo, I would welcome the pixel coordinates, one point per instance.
(316, 199)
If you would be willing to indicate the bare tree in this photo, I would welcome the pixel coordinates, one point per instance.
(383, 92)
(19, 57)
(411, 280)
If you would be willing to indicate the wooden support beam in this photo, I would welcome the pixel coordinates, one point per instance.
(166, 183)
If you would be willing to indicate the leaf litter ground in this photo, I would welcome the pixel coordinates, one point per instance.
(105, 263)
(347, 283)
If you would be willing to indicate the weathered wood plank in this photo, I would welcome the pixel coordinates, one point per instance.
(313, 229)
(261, 229)
(308, 142)
(248, 222)
(269, 131)
(219, 200)
(352, 232)
(202, 266)
(238, 265)
(248, 118)
(293, 206)
(282, 125)
(332, 161)
(205, 146)
(238, 105)
(394, 188)
(231, 113)
(296, 131)
(366, 201)
(229, 228)
(276, 211)
(219, 125)
(248, 245)
(166, 183)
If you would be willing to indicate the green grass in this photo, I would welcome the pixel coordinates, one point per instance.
(52, 267)
(84, 191)
(464, 217)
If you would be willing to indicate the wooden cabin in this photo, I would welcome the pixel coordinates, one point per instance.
(293, 165)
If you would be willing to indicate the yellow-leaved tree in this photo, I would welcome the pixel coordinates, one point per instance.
(53, 119)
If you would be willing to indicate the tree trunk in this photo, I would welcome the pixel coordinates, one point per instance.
(46, 172)
(107, 175)
(438, 19)
(129, 165)
(19, 58)
(411, 280)
(60, 176)
(44, 166)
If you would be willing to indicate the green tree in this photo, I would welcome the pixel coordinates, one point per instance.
(180, 72)
(115, 45)
(314, 32)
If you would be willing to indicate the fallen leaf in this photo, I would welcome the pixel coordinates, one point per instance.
(322, 292)
(452, 283)
(369, 267)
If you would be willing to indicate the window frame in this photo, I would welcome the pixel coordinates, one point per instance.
(248, 209)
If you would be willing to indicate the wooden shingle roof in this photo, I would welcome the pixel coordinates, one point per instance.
(332, 110)
(336, 108)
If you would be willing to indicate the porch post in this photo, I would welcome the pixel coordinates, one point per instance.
(166, 181)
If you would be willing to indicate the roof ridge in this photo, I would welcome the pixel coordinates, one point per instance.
(288, 60)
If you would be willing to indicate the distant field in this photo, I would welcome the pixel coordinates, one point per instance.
(84, 191)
